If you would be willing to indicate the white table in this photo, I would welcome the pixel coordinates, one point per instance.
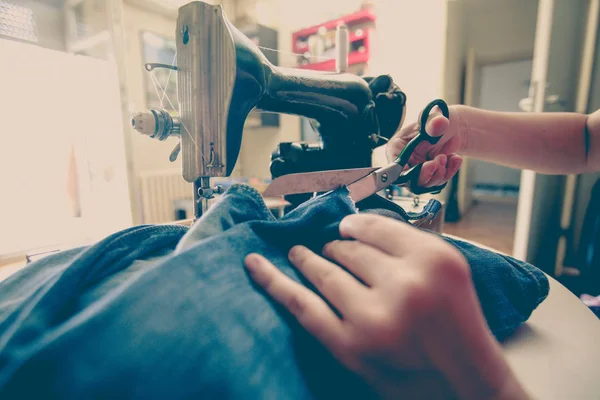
(556, 353)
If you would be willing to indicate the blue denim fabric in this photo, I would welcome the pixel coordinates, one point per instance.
(508, 289)
(163, 312)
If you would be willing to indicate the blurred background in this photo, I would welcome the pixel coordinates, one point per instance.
(72, 169)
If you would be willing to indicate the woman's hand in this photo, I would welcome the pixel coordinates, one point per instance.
(410, 318)
(441, 159)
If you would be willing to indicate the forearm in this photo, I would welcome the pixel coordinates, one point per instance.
(553, 143)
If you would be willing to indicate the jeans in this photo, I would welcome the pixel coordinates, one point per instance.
(167, 312)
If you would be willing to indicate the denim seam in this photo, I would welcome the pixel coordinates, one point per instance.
(250, 191)
(130, 236)
(538, 282)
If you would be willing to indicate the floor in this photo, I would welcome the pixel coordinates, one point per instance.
(490, 222)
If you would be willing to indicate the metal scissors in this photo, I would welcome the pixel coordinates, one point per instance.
(364, 182)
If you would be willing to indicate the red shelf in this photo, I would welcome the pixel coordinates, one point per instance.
(301, 49)
(356, 57)
(352, 21)
(357, 17)
(352, 38)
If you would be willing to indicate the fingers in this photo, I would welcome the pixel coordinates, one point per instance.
(364, 261)
(399, 140)
(433, 172)
(439, 170)
(427, 172)
(339, 287)
(438, 176)
(388, 235)
(436, 125)
(453, 165)
(308, 308)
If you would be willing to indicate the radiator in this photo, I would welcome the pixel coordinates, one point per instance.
(159, 192)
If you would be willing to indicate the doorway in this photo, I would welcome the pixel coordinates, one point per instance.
(491, 217)
(495, 42)
(503, 85)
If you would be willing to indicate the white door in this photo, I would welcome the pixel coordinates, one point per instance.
(560, 34)
(63, 176)
(502, 85)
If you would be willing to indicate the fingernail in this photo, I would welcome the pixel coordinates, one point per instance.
(443, 160)
(295, 252)
(327, 248)
(252, 262)
(345, 226)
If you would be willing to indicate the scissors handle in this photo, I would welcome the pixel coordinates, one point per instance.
(407, 151)
(410, 180)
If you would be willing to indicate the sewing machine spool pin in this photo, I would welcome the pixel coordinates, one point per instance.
(150, 66)
(157, 124)
(342, 43)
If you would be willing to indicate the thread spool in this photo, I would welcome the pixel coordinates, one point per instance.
(341, 44)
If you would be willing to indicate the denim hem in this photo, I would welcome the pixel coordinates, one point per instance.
(243, 189)
(129, 237)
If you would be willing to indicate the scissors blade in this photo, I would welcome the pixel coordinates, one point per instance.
(374, 182)
(311, 182)
(364, 188)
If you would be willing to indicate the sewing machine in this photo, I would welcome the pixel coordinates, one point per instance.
(222, 76)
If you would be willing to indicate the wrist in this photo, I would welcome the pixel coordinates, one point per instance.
(458, 127)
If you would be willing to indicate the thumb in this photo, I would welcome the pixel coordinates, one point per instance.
(436, 125)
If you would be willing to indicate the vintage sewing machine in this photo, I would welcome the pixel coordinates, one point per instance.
(222, 76)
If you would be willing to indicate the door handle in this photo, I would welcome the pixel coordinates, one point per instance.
(526, 104)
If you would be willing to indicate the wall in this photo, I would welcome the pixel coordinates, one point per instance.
(411, 43)
(502, 28)
(456, 52)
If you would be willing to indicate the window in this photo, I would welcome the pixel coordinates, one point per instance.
(159, 49)
(17, 22)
